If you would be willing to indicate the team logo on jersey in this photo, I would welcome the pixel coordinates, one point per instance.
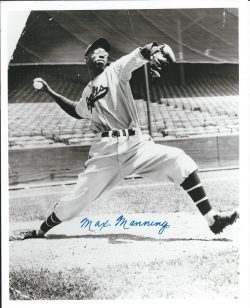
(97, 93)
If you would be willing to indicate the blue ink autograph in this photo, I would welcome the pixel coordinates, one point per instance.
(121, 221)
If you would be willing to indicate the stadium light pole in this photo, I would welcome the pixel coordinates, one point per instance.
(179, 31)
(148, 99)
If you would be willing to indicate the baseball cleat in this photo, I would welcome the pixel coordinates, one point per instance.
(20, 235)
(222, 220)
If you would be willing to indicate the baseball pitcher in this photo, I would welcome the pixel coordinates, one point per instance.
(122, 149)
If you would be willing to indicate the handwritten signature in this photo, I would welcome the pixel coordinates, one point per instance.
(124, 223)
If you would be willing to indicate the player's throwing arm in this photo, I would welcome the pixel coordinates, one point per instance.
(66, 104)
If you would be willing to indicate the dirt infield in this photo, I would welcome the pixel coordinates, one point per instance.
(184, 261)
(69, 244)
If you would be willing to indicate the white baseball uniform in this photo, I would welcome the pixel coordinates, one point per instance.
(107, 100)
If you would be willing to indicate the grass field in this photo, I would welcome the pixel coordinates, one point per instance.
(186, 261)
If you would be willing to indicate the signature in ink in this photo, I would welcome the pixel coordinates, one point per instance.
(94, 226)
(124, 223)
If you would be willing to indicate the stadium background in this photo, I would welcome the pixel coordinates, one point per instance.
(193, 106)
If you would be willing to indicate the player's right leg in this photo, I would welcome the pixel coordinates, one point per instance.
(102, 173)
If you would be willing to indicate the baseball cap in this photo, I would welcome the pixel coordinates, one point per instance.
(100, 42)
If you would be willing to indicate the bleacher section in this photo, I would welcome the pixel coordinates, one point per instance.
(34, 125)
(204, 101)
(187, 117)
(69, 80)
(199, 80)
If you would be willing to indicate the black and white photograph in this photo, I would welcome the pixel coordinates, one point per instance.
(123, 152)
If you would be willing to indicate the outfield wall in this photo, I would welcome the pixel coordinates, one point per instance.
(66, 162)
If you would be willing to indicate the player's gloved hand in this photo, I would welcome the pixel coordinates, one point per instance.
(167, 53)
(41, 85)
(161, 56)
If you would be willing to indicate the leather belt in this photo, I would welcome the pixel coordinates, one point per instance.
(119, 133)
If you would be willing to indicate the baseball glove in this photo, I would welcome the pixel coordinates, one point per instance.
(161, 56)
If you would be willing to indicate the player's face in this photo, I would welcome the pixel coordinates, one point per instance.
(99, 57)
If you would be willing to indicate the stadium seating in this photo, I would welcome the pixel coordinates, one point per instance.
(199, 80)
(203, 102)
(41, 125)
(185, 117)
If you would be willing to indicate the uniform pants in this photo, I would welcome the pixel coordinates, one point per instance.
(113, 158)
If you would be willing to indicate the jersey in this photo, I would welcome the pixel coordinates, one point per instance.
(107, 99)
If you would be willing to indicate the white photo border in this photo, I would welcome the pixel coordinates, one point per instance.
(244, 42)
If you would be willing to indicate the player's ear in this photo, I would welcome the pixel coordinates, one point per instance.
(87, 59)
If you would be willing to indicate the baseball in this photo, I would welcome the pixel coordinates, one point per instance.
(37, 85)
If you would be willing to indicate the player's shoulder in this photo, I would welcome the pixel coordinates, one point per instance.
(110, 66)
(110, 69)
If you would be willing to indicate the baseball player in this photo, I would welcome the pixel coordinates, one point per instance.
(122, 149)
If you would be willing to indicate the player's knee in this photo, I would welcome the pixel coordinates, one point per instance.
(183, 160)
(179, 153)
(182, 156)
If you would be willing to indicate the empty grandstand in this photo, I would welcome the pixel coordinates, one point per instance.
(211, 88)
(69, 80)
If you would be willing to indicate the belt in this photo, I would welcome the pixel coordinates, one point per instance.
(118, 133)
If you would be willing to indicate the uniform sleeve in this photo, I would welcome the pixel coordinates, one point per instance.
(82, 108)
(127, 64)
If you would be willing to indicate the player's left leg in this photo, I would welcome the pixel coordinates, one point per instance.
(216, 221)
(160, 162)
